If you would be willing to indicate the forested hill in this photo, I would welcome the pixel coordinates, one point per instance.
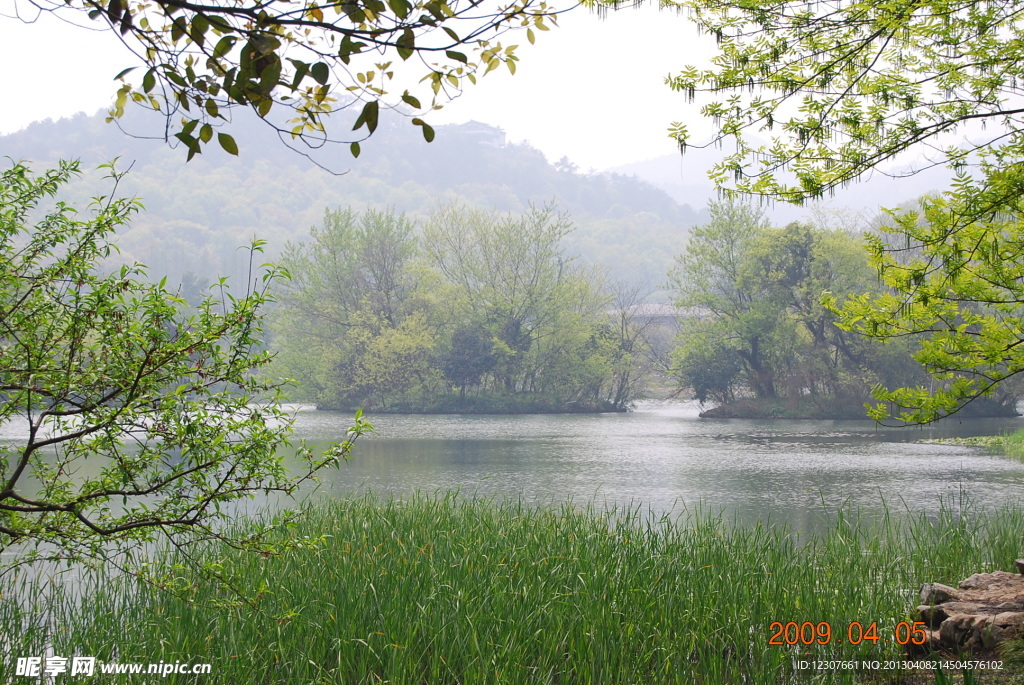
(199, 213)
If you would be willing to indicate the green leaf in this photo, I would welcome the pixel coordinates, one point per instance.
(411, 100)
(301, 70)
(406, 44)
(265, 43)
(227, 143)
(428, 130)
(457, 56)
(220, 23)
(200, 25)
(354, 149)
(320, 73)
(368, 117)
(114, 10)
(224, 46)
(175, 78)
(270, 77)
(348, 47)
(179, 29)
(401, 8)
(191, 144)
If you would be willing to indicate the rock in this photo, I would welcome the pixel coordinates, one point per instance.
(986, 609)
(933, 616)
(936, 593)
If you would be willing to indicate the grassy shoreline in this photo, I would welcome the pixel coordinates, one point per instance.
(450, 590)
(821, 408)
(1010, 444)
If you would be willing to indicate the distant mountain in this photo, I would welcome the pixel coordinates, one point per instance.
(199, 213)
(678, 175)
(684, 178)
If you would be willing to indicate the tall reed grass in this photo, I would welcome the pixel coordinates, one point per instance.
(1013, 444)
(442, 589)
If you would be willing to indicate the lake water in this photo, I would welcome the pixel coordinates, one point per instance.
(663, 457)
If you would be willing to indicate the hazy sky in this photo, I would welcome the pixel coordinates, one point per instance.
(590, 89)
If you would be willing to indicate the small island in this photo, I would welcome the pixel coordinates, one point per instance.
(467, 311)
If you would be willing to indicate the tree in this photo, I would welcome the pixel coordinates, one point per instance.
(714, 281)
(350, 328)
(633, 331)
(844, 87)
(471, 355)
(310, 58)
(511, 277)
(960, 295)
(756, 320)
(484, 312)
(140, 422)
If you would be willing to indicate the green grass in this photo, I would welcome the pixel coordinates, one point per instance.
(1011, 444)
(452, 590)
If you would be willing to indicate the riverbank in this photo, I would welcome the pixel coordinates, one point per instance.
(821, 408)
(488, 404)
(1011, 444)
(448, 590)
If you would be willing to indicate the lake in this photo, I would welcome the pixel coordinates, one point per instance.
(664, 458)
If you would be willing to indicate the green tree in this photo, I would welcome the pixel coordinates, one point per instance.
(841, 88)
(482, 312)
(757, 321)
(728, 305)
(958, 294)
(510, 276)
(710, 369)
(469, 358)
(351, 326)
(633, 330)
(141, 422)
(392, 362)
(798, 264)
(310, 58)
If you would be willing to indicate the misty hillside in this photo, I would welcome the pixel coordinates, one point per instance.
(199, 213)
(684, 178)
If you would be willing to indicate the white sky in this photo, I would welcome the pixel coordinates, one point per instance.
(590, 89)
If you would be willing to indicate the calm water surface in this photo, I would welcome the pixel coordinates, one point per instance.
(663, 457)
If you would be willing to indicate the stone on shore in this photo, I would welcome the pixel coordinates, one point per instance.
(974, 617)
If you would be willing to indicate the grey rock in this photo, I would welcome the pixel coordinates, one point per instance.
(985, 610)
(936, 593)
